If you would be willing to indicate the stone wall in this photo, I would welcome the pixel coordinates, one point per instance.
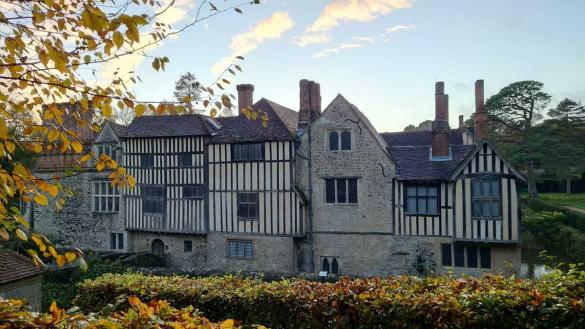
(27, 288)
(76, 225)
(271, 253)
(174, 251)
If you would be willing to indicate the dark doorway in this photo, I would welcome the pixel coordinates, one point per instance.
(158, 247)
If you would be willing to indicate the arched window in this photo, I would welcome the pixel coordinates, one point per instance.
(333, 141)
(325, 265)
(346, 140)
(334, 266)
(158, 247)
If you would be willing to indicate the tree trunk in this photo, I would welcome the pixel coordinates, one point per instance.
(532, 192)
(568, 189)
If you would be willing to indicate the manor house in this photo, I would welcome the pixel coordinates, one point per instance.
(314, 190)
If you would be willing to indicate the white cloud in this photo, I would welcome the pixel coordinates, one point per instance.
(364, 39)
(305, 40)
(326, 52)
(242, 44)
(343, 11)
(173, 14)
(397, 28)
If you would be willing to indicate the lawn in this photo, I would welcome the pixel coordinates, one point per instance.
(576, 200)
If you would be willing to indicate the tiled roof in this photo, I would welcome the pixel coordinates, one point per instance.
(14, 266)
(166, 126)
(242, 129)
(119, 130)
(289, 117)
(411, 151)
(419, 138)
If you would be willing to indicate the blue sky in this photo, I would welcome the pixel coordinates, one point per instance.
(382, 55)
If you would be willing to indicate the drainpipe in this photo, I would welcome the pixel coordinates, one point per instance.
(310, 215)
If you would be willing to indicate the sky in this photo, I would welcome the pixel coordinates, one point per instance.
(384, 56)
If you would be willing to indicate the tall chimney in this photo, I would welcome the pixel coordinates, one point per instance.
(461, 122)
(441, 129)
(245, 96)
(309, 102)
(480, 115)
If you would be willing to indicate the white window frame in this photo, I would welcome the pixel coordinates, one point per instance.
(339, 139)
(105, 191)
(108, 149)
(119, 242)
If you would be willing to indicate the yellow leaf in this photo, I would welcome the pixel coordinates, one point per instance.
(41, 199)
(118, 39)
(61, 260)
(38, 148)
(227, 324)
(53, 191)
(10, 146)
(3, 234)
(21, 235)
(53, 135)
(139, 109)
(53, 252)
(77, 147)
(85, 158)
(70, 256)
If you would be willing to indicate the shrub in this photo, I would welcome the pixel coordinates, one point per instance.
(572, 218)
(156, 314)
(395, 302)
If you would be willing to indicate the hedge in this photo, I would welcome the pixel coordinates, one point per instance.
(156, 314)
(572, 218)
(491, 301)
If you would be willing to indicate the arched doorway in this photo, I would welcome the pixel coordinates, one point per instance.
(158, 247)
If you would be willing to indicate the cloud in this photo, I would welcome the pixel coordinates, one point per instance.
(128, 64)
(305, 40)
(364, 39)
(343, 11)
(242, 44)
(397, 28)
(326, 52)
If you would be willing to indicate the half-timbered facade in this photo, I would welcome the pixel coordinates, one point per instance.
(310, 191)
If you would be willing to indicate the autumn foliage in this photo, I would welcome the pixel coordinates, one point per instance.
(156, 314)
(395, 302)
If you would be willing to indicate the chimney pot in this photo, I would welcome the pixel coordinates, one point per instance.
(245, 96)
(441, 129)
(440, 88)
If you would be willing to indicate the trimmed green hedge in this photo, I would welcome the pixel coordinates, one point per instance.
(557, 300)
(572, 218)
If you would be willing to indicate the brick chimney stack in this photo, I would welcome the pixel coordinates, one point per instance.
(245, 96)
(441, 129)
(480, 115)
(310, 102)
(461, 122)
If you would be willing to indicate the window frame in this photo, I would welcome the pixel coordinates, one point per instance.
(248, 204)
(187, 246)
(427, 197)
(478, 180)
(197, 188)
(331, 262)
(481, 257)
(150, 198)
(111, 192)
(117, 241)
(106, 148)
(147, 161)
(237, 152)
(185, 160)
(238, 243)
(339, 139)
(349, 198)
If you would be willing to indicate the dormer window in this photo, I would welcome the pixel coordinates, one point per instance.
(340, 140)
(107, 149)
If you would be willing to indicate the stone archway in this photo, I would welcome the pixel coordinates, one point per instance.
(158, 247)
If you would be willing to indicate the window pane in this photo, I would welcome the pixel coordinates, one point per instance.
(96, 204)
(459, 256)
(411, 204)
(485, 257)
(104, 188)
(472, 256)
(249, 253)
(330, 190)
(103, 206)
(341, 191)
(333, 141)
(495, 187)
(496, 208)
(485, 209)
(120, 240)
(96, 188)
(432, 190)
(485, 187)
(421, 190)
(187, 246)
(334, 266)
(110, 203)
(325, 265)
(116, 204)
(237, 152)
(112, 240)
(352, 190)
(411, 191)
(422, 206)
(476, 185)
(345, 140)
(432, 206)
(476, 210)
(233, 248)
(446, 255)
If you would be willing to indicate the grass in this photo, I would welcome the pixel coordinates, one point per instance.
(576, 200)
